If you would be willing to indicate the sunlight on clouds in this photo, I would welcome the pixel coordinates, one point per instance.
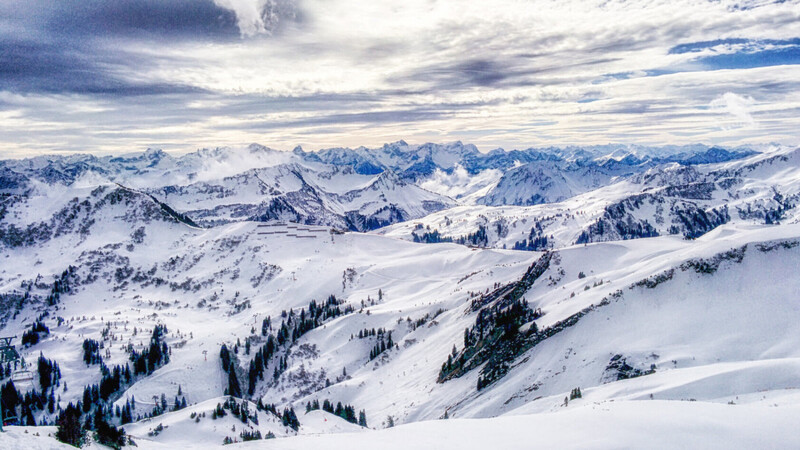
(509, 73)
(737, 106)
(248, 15)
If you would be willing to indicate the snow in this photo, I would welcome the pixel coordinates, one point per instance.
(746, 188)
(320, 422)
(723, 344)
(651, 424)
(195, 424)
(582, 425)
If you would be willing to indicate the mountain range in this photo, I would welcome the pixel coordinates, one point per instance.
(315, 296)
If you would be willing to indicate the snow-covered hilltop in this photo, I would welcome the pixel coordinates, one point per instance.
(356, 189)
(230, 295)
(669, 199)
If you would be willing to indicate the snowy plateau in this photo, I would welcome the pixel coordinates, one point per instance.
(406, 296)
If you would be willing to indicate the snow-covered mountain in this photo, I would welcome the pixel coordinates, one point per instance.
(231, 272)
(227, 185)
(670, 199)
(357, 189)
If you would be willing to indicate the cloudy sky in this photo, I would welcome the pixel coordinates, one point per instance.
(108, 76)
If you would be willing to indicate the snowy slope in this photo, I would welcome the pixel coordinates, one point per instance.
(648, 329)
(671, 199)
(357, 189)
(654, 424)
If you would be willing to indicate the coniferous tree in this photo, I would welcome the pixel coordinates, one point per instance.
(362, 418)
(70, 430)
(289, 419)
(234, 389)
(109, 435)
(51, 402)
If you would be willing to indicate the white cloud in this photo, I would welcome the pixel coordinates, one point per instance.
(460, 184)
(248, 15)
(505, 73)
(256, 17)
(737, 106)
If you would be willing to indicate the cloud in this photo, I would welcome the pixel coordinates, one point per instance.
(256, 17)
(99, 76)
(44, 67)
(737, 106)
(458, 182)
(94, 47)
(80, 20)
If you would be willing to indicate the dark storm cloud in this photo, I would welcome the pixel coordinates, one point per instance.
(83, 46)
(476, 72)
(497, 73)
(35, 67)
(83, 19)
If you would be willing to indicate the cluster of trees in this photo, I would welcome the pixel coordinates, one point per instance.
(431, 237)
(154, 356)
(33, 334)
(260, 362)
(346, 412)
(72, 429)
(248, 436)
(91, 352)
(617, 229)
(534, 244)
(228, 365)
(95, 412)
(251, 435)
(414, 324)
(19, 408)
(111, 380)
(297, 325)
(126, 413)
(239, 410)
(49, 373)
(367, 332)
(536, 240)
(293, 326)
(384, 342)
(289, 419)
(60, 286)
(575, 393)
(479, 238)
(495, 326)
(697, 222)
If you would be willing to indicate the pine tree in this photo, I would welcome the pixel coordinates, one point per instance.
(51, 402)
(70, 430)
(233, 382)
(362, 418)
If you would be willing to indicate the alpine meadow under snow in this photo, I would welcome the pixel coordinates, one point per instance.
(406, 296)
